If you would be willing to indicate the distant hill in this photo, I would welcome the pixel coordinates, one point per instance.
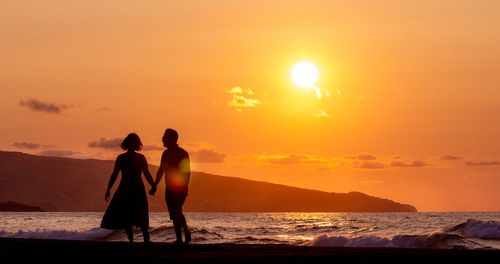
(63, 184)
(17, 207)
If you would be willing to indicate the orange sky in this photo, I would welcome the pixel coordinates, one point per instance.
(413, 113)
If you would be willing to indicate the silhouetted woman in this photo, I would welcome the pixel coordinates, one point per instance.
(129, 206)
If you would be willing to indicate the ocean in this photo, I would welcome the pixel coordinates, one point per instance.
(401, 230)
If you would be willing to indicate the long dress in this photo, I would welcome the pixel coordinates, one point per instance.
(129, 205)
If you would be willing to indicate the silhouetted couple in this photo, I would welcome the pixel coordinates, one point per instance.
(129, 206)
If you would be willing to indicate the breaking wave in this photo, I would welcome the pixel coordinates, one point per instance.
(454, 237)
(436, 240)
(480, 229)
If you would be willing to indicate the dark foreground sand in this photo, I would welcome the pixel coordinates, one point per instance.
(60, 251)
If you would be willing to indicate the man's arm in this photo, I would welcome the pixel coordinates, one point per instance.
(159, 175)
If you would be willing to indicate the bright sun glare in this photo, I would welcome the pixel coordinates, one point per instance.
(304, 74)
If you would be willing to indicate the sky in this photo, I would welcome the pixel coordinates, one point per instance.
(409, 107)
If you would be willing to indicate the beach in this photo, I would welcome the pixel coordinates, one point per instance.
(65, 251)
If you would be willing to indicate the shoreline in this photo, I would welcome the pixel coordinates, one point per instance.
(71, 251)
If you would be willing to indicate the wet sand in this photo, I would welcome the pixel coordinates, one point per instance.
(63, 251)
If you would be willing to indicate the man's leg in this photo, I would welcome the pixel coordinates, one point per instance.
(187, 234)
(177, 227)
(130, 234)
(145, 234)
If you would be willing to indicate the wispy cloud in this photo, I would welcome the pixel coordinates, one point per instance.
(321, 114)
(482, 163)
(105, 143)
(415, 163)
(26, 145)
(235, 90)
(30, 145)
(58, 153)
(194, 145)
(362, 156)
(207, 156)
(242, 99)
(114, 144)
(323, 163)
(152, 147)
(39, 106)
(283, 158)
(449, 157)
(370, 165)
(357, 161)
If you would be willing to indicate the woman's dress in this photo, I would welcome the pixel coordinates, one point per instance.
(129, 206)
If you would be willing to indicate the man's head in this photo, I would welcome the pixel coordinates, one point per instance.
(170, 138)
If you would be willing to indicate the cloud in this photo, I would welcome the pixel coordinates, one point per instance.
(414, 164)
(321, 114)
(370, 165)
(239, 90)
(235, 90)
(192, 145)
(26, 145)
(152, 147)
(58, 153)
(285, 158)
(241, 100)
(325, 163)
(112, 143)
(30, 145)
(366, 157)
(362, 156)
(450, 157)
(39, 106)
(482, 163)
(207, 156)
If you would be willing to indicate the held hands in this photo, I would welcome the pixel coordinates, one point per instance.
(153, 190)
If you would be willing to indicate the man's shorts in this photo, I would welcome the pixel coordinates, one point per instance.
(175, 200)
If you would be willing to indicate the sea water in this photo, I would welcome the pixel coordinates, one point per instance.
(404, 230)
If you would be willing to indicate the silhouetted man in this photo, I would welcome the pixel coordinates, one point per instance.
(175, 165)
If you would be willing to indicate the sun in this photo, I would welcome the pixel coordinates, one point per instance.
(304, 74)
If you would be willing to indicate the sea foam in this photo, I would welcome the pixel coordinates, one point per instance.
(452, 237)
(435, 240)
(93, 234)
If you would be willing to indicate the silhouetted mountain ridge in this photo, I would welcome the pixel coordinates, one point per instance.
(65, 184)
(17, 207)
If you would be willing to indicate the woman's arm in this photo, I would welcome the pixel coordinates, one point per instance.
(147, 174)
(112, 179)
